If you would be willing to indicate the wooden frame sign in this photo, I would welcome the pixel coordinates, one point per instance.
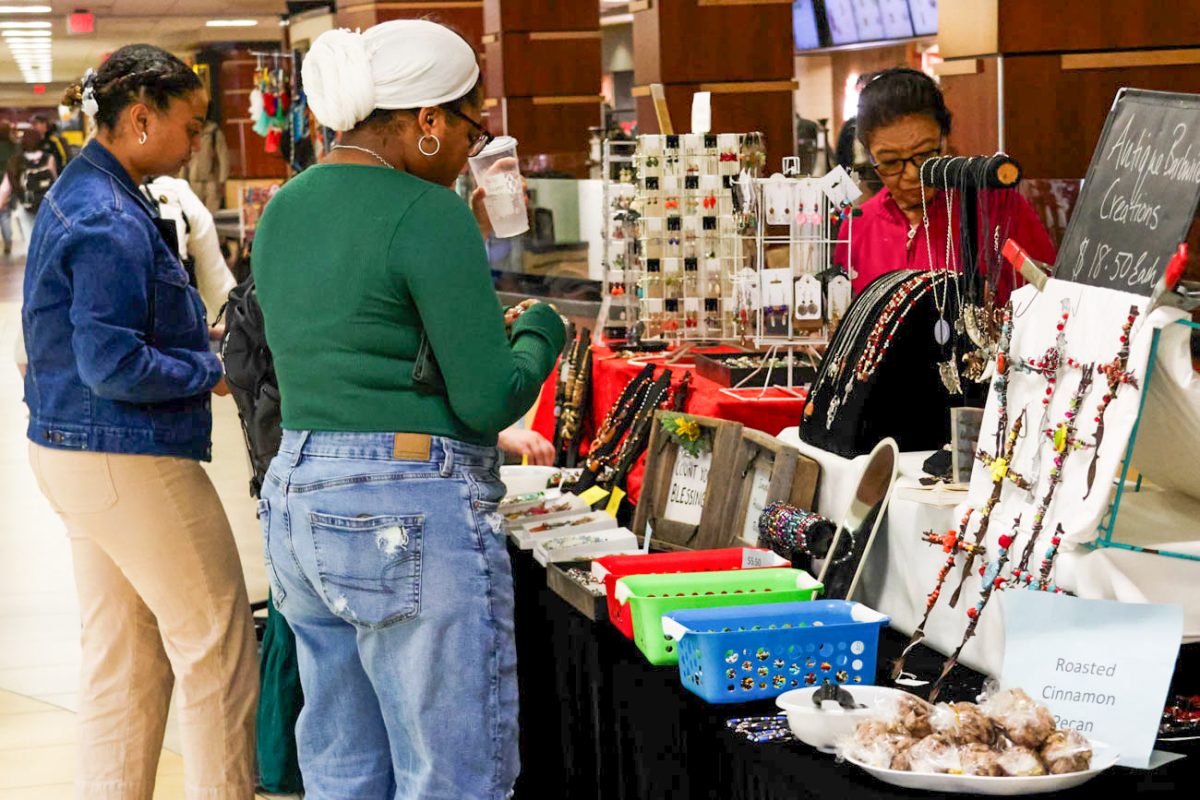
(684, 496)
(764, 472)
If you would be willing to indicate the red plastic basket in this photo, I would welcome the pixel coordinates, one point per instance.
(610, 569)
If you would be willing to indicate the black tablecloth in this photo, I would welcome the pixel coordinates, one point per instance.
(597, 721)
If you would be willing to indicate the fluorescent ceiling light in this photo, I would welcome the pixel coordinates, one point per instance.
(25, 9)
(26, 34)
(7, 25)
(18, 45)
(231, 23)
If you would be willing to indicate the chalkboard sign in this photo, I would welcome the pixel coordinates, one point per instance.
(1140, 195)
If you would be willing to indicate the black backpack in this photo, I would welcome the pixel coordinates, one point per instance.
(36, 181)
(250, 375)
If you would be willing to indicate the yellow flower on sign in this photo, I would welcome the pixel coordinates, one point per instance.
(687, 429)
(999, 470)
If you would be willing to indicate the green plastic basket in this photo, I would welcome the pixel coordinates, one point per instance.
(651, 596)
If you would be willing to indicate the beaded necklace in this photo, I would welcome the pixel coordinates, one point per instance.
(1049, 366)
(864, 311)
(890, 319)
(844, 340)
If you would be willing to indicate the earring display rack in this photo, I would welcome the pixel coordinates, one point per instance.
(797, 222)
(619, 306)
(691, 198)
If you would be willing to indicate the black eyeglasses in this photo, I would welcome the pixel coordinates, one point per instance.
(894, 166)
(478, 142)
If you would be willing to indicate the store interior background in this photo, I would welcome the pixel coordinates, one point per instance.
(1033, 79)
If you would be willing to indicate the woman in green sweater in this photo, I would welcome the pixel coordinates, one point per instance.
(384, 548)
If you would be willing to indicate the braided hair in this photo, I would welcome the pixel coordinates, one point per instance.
(136, 72)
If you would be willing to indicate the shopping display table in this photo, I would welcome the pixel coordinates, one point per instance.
(598, 722)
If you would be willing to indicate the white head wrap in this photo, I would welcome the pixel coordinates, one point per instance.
(405, 63)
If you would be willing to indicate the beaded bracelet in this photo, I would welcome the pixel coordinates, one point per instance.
(785, 529)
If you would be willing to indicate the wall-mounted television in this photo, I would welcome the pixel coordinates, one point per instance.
(805, 32)
(924, 16)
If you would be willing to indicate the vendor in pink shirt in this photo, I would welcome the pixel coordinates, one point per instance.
(903, 121)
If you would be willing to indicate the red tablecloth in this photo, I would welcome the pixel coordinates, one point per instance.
(770, 414)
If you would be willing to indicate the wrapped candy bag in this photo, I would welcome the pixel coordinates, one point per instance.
(1067, 751)
(1022, 719)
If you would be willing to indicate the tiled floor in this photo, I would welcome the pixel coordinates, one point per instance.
(39, 617)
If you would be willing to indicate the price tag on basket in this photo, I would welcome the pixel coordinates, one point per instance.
(1101, 667)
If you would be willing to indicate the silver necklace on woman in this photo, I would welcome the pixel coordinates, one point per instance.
(369, 152)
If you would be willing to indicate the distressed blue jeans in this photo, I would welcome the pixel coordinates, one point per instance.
(392, 570)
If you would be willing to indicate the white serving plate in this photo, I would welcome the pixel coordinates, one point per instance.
(823, 728)
(1103, 757)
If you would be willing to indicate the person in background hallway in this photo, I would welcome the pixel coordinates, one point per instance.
(209, 168)
(903, 122)
(118, 387)
(53, 142)
(30, 173)
(8, 149)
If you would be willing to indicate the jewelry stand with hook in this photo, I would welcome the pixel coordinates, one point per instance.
(813, 210)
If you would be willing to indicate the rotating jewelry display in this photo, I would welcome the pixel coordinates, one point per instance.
(690, 202)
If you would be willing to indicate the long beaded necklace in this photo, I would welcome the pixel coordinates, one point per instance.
(864, 312)
(1117, 374)
(622, 460)
(847, 335)
(890, 320)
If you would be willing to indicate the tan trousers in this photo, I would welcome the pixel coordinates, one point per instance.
(161, 596)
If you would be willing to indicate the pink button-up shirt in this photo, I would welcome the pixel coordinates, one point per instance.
(881, 240)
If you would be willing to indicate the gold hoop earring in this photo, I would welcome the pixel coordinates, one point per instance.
(437, 145)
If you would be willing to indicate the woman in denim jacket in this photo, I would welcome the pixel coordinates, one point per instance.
(118, 388)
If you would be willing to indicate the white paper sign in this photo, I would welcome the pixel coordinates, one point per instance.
(760, 490)
(1101, 667)
(689, 481)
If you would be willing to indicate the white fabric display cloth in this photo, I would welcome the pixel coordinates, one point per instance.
(902, 568)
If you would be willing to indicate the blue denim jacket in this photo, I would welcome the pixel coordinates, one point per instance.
(118, 350)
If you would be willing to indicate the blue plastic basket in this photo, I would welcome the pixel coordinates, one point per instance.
(742, 653)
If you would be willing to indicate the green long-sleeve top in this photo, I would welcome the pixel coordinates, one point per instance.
(351, 263)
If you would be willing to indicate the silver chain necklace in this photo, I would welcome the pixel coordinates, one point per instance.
(377, 157)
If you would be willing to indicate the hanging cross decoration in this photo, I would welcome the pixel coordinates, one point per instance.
(1043, 583)
(1117, 374)
(1049, 366)
(1065, 432)
(991, 582)
(952, 542)
(1001, 470)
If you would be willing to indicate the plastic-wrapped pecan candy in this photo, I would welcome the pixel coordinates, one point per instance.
(979, 759)
(1025, 721)
(1067, 751)
(934, 754)
(1020, 762)
(962, 723)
